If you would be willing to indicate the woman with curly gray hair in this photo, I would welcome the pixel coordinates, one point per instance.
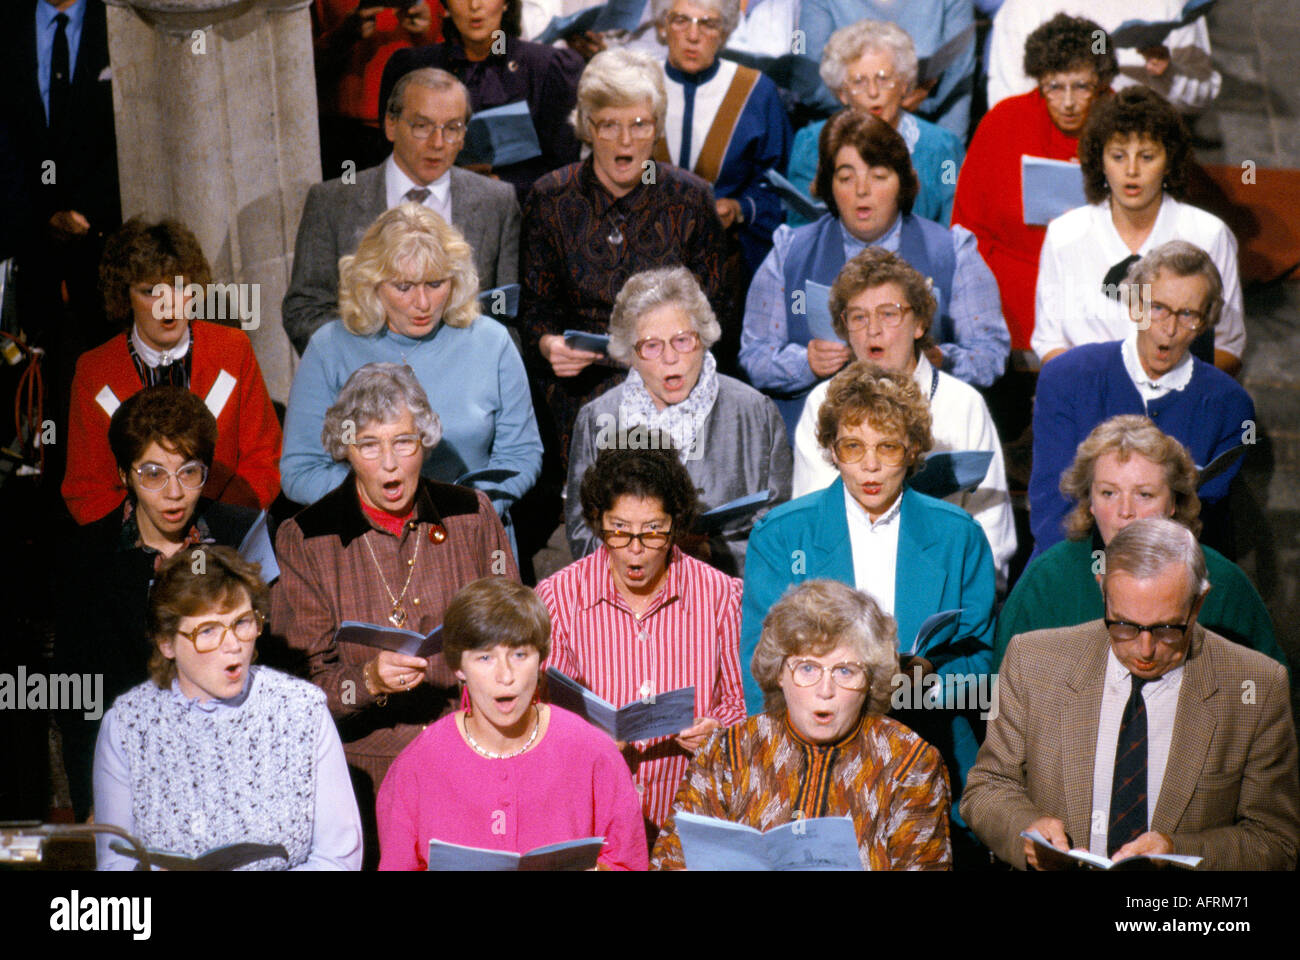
(387, 547)
(409, 296)
(729, 435)
(824, 748)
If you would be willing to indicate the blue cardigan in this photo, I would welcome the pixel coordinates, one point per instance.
(944, 563)
(1089, 384)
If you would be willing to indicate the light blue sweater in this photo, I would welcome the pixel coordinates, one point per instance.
(475, 381)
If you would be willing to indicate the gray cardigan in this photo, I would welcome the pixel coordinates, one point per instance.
(743, 449)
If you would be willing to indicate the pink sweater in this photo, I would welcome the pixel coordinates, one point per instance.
(573, 784)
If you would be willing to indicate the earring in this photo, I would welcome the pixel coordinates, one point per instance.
(465, 702)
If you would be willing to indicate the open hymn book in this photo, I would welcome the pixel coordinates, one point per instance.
(1092, 861)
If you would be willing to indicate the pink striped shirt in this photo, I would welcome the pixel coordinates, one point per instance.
(689, 635)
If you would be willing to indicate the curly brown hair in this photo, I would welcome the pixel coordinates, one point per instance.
(196, 581)
(877, 143)
(172, 417)
(153, 253)
(1135, 111)
(875, 267)
(1067, 43)
(629, 469)
(890, 402)
(1127, 435)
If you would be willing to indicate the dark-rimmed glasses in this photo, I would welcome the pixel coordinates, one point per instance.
(650, 539)
(211, 634)
(652, 348)
(1124, 631)
(154, 476)
(850, 674)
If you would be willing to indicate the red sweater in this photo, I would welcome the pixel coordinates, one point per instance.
(246, 467)
(989, 204)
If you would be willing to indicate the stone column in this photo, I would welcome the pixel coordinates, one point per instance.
(215, 104)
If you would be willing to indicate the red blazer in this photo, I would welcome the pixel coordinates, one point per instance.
(989, 205)
(246, 467)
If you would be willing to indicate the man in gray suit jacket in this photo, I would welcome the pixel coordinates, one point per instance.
(426, 120)
(1142, 733)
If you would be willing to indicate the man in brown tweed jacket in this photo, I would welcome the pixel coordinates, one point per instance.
(1219, 753)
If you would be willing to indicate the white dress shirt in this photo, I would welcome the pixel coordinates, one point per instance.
(875, 550)
(154, 358)
(397, 183)
(1082, 245)
(960, 421)
(1190, 81)
(1148, 387)
(1161, 699)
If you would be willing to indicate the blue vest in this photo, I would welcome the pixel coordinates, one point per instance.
(817, 254)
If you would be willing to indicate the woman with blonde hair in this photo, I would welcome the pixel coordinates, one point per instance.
(409, 295)
(1124, 470)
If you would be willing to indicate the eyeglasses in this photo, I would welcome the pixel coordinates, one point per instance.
(407, 445)
(154, 476)
(808, 673)
(650, 539)
(639, 129)
(681, 22)
(870, 83)
(850, 450)
(652, 348)
(453, 132)
(210, 635)
(1187, 319)
(889, 315)
(1056, 91)
(1170, 633)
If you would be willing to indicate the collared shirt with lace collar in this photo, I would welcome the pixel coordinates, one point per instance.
(1153, 388)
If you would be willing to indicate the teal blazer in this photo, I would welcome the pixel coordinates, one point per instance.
(944, 563)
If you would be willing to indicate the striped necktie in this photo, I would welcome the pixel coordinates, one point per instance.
(1128, 787)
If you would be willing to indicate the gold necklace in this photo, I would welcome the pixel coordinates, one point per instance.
(398, 617)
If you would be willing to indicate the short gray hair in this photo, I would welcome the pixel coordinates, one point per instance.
(431, 78)
(868, 36)
(620, 78)
(1146, 548)
(815, 617)
(727, 10)
(378, 393)
(1182, 259)
(650, 289)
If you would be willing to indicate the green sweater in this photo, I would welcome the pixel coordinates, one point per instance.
(1059, 589)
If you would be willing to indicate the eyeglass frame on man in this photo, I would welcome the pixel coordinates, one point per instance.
(861, 317)
(640, 347)
(453, 131)
(193, 635)
(377, 445)
(886, 460)
(203, 475)
(793, 662)
(1177, 630)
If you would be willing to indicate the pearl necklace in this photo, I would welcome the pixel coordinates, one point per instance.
(532, 738)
